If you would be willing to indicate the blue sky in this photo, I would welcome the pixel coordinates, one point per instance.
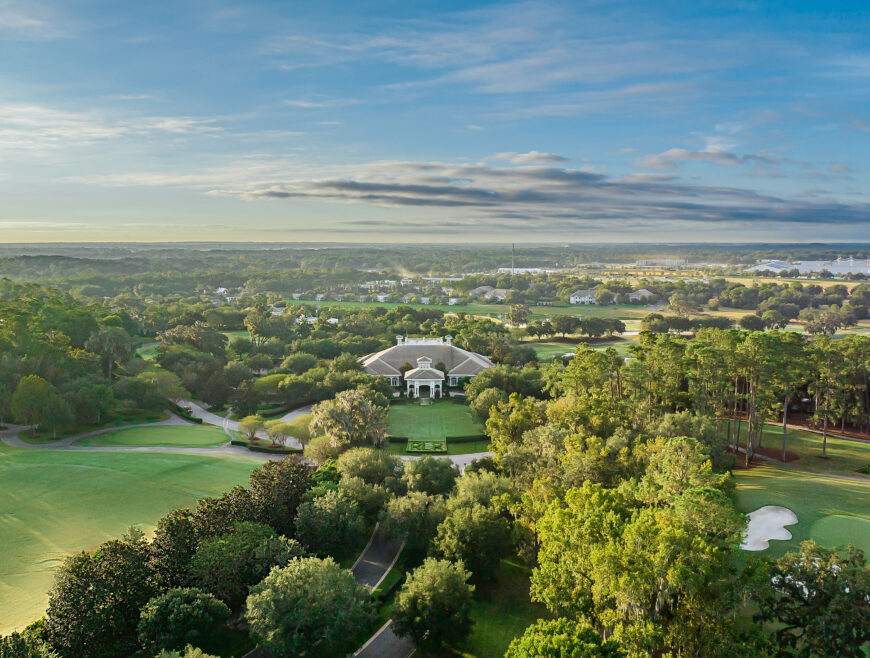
(419, 121)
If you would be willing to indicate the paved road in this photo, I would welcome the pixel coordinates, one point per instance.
(376, 560)
(227, 424)
(386, 644)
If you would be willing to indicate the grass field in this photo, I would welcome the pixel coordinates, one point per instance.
(434, 421)
(161, 436)
(501, 611)
(549, 350)
(54, 503)
(832, 511)
(844, 457)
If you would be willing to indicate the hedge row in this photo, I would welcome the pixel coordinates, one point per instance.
(267, 450)
(467, 438)
(178, 410)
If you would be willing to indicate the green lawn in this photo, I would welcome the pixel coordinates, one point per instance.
(148, 352)
(161, 436)
(830, 510)
(844, 457)
(54, 503)
(501, 611)
(547, 351)
(435, 421)
(41, 437)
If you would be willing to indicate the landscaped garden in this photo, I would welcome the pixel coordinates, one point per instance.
(54, 503)
(160, 436)
(440, 427)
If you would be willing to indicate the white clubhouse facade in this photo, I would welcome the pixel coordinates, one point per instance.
(426, 356)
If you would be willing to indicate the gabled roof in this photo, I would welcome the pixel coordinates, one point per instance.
(455, 359)
(584, 293)
(424, 373)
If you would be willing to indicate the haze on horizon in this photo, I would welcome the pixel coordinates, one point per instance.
(434, 121)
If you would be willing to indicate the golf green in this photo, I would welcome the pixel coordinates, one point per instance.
(814, 499)
(839, 529)
(161, 436)
(54, 503)
(438, 420)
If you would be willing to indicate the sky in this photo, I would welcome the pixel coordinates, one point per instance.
(424, 121)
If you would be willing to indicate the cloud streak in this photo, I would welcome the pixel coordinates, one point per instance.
(544, 199)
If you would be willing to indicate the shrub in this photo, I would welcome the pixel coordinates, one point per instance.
(321, 449)
(180, 617)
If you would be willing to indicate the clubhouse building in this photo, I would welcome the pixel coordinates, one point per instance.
(422, 360)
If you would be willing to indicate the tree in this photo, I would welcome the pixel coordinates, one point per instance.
(661, 578)
(278, 431)
(277, 489)
(180, 617)
(227, 565)
(30, 401)
(518, 314)
(113, 345)
(350, 420)
(818, 599)
(752, 323)
(331, 524)
(477, 535)
(485, 400)
(565, 324)
(93, 607)
(414, 517)
(431, 475)
(188, 652)
(434, 605)
(311, 607)
(372, 465)
(172, 548)
(558, 638)
(250, 425)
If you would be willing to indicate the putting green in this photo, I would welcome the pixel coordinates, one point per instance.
(840, 529)
(54, 503)
(161, 436)
(811, 497)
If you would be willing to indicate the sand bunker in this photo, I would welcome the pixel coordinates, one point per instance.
(767, 523)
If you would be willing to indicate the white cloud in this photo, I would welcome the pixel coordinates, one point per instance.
(532, 157)
(327, 102)
(36, 128)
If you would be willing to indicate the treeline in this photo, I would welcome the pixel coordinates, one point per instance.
(64, 364)
(623, 499)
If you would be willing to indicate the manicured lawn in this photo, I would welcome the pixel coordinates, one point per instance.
(41, 437)
(829, 510)
(161, 436)
(501, 611)
(435, 421)
(54, 503)
(844, 457)
(551, 350)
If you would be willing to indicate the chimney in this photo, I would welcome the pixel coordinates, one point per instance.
(448, 339)
(398, 340)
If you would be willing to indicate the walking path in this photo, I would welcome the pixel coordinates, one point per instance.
(227, 424)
